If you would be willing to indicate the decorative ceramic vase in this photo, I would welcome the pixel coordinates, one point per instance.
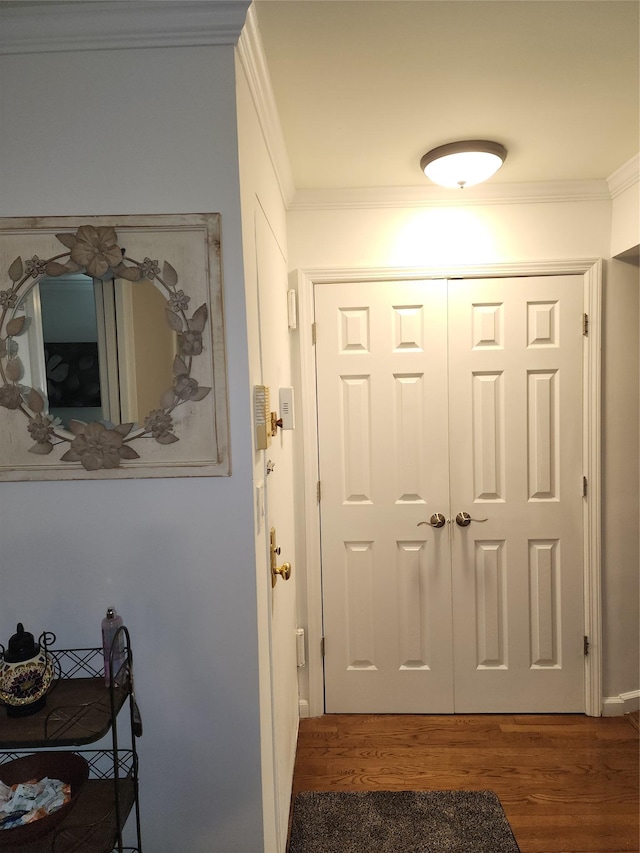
(27, 672)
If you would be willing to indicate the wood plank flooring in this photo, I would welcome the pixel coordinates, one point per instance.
(568, 783)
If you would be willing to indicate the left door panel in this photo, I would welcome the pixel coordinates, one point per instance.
(383, 427)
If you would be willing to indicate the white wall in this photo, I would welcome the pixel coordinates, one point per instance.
(456, 235)
(499, 233)
(625, 218)
(147, 131)
(625, 231)
(621, 484)
(265, 247)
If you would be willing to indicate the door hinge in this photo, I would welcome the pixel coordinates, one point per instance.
(585, 486)
(318, 492)
(586, 645)
(314, 333)
(322, 647)
(585, 324)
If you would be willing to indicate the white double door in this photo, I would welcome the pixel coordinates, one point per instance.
(447, 397)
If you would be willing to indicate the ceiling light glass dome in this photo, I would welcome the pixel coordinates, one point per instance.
(463, 164)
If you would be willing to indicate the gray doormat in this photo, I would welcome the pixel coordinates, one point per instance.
(400, 822)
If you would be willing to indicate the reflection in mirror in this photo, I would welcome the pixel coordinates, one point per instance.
(146, 349)
(97, 350)
(70, 338)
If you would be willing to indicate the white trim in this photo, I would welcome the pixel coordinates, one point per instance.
(252, 58)
(591, 269)
(626, 176)
(50, 27)
(303, 709)
(563, 266)
(625, 703)
(311, 547)
(431, 196)
(592, 504)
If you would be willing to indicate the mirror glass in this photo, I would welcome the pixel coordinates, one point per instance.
(97, 350)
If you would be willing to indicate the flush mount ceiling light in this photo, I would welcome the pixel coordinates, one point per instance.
(463, 164)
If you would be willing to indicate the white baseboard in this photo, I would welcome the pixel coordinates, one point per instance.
(612, 706)
(303, 708)
(616, 706)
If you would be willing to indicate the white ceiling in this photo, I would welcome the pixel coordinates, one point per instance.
(365, 88)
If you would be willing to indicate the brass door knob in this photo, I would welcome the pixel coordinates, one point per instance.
(283, 571)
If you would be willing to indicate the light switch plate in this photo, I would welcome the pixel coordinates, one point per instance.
(286, 408)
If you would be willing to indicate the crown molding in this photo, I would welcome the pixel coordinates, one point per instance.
(251, 55)
(626, 176)
(428, 196)
(73, 25)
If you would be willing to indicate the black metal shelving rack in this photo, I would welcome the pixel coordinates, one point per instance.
(80, 711)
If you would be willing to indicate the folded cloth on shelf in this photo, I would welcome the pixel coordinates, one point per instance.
(27, 801)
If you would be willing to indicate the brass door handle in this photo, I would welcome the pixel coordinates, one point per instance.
(436, 520)
(284, 571)
(463, 519)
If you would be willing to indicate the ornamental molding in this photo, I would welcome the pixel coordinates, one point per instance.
(252, 58)
(426, 196)
(625, 177)
(49, 27)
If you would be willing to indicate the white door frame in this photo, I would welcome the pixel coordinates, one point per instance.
(304, 282)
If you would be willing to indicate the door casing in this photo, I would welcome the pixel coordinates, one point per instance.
(304, 281)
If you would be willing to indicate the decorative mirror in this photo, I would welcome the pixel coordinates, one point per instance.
(112, 357)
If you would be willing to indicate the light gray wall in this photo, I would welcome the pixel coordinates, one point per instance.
(147, 131)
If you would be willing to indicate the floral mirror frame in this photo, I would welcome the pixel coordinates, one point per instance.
(187, 433)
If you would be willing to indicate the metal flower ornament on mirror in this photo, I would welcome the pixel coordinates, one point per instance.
(97, 445)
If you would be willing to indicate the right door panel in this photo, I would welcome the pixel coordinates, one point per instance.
(515, 413)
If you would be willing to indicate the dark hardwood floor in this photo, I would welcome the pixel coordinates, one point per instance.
(568, 783)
